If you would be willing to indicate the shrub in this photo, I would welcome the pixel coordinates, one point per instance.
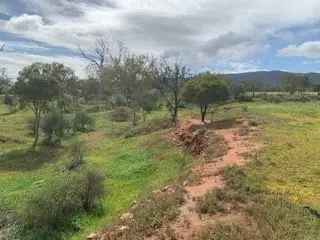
(77, 156)
(96, 108)
(93, 188)
(279, 219)
(154, 213)
(9, 100)
(52, 206)
(244, 98)
(149, 126)
(120, 114)
(7, 223)
(54, 125)
(227, 232)
(212, 202)
(83, 122)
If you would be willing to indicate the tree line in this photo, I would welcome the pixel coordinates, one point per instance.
(117, 77)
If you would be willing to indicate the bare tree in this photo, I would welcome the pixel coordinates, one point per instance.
(98, 56)
(171, 77)
(101, 56)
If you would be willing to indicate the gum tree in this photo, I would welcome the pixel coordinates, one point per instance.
(36, 87)
(204, 90)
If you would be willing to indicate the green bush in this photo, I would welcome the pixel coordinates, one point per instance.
(52, 207)
(92, 183)
(120, 114)
(83, 122)
(54, 125)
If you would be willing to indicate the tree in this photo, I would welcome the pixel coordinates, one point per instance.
(89, 88)
(171, 78)
(5, 82)
(99, 57)
(294, 82)
(130, 78)
(36, 87)
(250, 86)
(67, 83)
(206, 89)
(316, 88)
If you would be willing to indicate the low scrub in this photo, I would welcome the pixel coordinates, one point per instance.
(278, 98)
(53, 206)
(212, 202)
(121, 114)
(150, 126)
(227, 232)
(55, 126)
(275, 216)
(83, 122)
(153, 213)
(149, 216)
(279, 219)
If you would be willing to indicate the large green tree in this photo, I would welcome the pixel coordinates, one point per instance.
(39, 84)
(67, 83)
(206, 89)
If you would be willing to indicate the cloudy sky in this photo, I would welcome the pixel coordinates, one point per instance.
(217, 35)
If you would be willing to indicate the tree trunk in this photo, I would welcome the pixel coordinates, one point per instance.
(174, 115)
(203, 110)
(134, 118)
(36, 128)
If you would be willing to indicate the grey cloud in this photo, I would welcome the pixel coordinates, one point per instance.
(164, 31)
(224, 41)
(46, 8)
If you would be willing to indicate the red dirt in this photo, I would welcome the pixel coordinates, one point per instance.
(194, 136)
(189, 222)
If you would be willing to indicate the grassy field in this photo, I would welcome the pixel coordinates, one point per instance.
(289, 162)
(133, 166)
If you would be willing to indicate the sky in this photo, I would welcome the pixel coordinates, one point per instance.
(216, 35)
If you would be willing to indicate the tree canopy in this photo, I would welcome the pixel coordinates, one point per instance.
(206, 89)
(39, 84)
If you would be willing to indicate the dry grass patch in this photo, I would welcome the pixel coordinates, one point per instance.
(150, 217)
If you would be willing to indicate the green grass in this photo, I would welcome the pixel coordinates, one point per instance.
(290, 162)
(134, 166)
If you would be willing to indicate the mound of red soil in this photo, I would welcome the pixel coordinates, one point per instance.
(192, 135)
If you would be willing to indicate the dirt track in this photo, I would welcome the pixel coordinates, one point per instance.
(210, 173)
(231, 143)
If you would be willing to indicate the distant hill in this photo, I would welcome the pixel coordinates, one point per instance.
(269, 79)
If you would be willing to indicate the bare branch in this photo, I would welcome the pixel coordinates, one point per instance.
(98, 56)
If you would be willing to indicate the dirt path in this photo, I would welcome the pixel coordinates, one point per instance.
(210, 173)
(230, 144)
